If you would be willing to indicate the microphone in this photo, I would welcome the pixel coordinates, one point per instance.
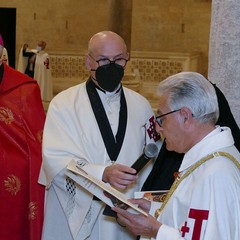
(150, 152)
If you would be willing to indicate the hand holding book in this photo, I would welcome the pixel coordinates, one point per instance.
(98, 188)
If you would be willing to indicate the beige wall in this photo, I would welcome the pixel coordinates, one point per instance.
(176, 25)
(63, 24)
(157, 25)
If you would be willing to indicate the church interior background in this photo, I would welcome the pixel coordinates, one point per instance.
(163, 37)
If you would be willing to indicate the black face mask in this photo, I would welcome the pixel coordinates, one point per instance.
(109, 76)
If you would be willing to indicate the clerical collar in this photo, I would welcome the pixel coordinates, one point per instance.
(109, 94)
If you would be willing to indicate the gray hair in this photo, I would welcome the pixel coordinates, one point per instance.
(191, 90)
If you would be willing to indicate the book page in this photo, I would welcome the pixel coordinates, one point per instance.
(100, 189)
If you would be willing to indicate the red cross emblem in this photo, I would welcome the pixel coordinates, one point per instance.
(46, 63)
(151, 130)
(199, 216)
(184, 229)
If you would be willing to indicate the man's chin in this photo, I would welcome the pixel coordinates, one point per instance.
(168, 146)
(171, 149)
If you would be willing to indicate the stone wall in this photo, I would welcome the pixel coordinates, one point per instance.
(172, 26)
(157, 25)
(143, 73)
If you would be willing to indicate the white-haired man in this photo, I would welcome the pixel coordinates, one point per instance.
(204, 200)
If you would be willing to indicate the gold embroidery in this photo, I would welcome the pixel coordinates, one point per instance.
(179, 179)
(12, 184)
(6, 115)
(32, 211)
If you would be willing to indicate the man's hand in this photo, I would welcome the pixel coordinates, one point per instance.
(138, 224)
(142, 203)
(119, 176)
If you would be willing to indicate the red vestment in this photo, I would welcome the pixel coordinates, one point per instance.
(21, 124)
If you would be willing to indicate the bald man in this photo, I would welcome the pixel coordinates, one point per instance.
(97, 123)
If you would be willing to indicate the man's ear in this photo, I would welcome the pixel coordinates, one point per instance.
(88, 62)
(128, 56)
(186, 113)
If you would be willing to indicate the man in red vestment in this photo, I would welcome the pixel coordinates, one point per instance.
(21, 123)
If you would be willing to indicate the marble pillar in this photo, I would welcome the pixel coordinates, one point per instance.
(224, 51)
(120, 19)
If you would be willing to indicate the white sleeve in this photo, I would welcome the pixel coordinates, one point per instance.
(95, 169)
(165, 232)
(168, 233)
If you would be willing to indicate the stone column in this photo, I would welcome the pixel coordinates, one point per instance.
(120, 20)
(224, 52)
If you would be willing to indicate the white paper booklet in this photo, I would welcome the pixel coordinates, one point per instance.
(100, 189)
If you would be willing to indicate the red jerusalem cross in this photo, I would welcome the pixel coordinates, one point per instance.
(46, 63)
(151, 130)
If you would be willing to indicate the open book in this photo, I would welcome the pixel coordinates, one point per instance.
(100, 189)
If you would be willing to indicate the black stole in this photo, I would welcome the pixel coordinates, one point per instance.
(113, 146)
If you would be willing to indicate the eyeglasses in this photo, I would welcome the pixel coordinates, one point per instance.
(104, 61)
(159, 119)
